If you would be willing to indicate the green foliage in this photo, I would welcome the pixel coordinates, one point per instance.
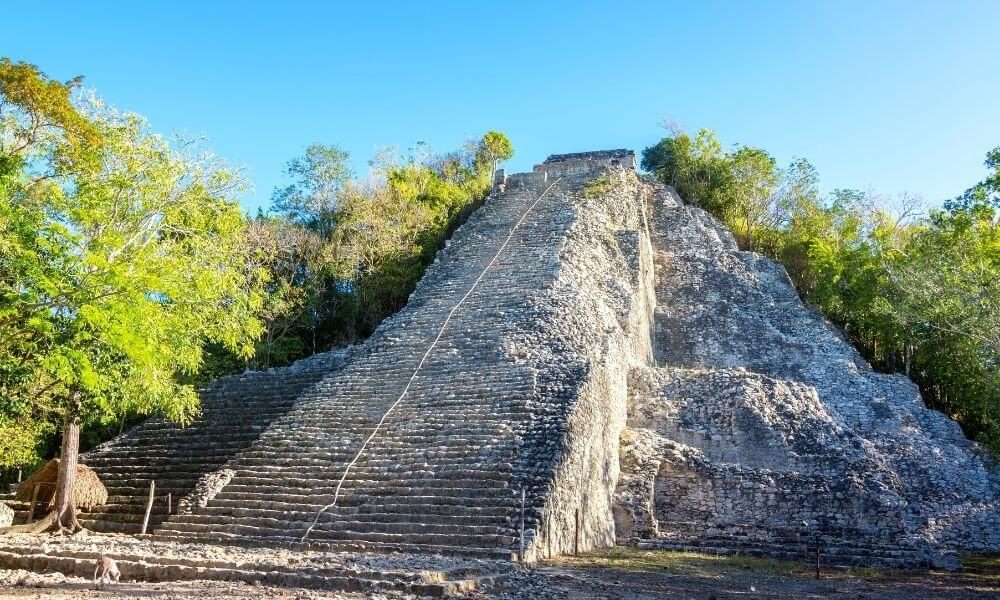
(311, 199)
(598, 186)
(744, 187)
(120, 256)
(922, 298)
(298, 262)
(698, 169)
(752, 191)
(494, 148)
(343, 254)
(42, 128)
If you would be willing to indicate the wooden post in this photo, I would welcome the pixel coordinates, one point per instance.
(34, 500)
(169, 503)
(548, 537)
(576, 532)
(520, 554)
(817, 554)
(149, 506)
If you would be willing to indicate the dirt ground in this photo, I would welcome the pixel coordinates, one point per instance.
(56, 587)
(614, 574)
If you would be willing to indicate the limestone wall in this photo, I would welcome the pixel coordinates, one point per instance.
(605, 302)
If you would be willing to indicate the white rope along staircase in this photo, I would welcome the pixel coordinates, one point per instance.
(416, 371)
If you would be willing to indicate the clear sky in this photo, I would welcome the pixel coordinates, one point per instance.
(898, 96)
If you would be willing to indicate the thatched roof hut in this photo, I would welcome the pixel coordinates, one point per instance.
(89, 492)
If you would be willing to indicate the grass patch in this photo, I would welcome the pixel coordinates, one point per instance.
(981, 568)
(598, 186)
(681, 563)
(986, 564)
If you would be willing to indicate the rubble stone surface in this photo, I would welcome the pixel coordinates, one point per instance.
(6, 515)
(762, 424)
(208, 486)
(156, 561)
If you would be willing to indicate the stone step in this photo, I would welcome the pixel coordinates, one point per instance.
(130, 502)
(106, 526)
(493, 514)
(372, 483)
(329, 526)
(444, 495)
(330, 533)
(366, 470)
(167, 444)
(293, 542)
(129, 511)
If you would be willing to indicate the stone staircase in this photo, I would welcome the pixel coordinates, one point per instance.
(440, 475)
(235, 410)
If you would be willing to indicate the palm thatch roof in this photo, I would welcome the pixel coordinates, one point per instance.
(89, 492)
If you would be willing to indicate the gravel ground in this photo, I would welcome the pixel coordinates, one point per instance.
(543, 584)
(26, 585)
(617, 573)
(572, 583)
(261, 558)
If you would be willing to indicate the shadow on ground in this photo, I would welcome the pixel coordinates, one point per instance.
(616, 573)
(627, 573)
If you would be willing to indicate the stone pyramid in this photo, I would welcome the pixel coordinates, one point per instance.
(588, 361)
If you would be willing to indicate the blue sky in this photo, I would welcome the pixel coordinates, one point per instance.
(898, 96)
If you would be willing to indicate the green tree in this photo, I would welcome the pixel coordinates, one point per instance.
(494, 148)
(947, 302)
(311, 199)
(697, 168)
(752, 194)
(121, 273)
(388, 234)
(44, 135)
(919, 297)
(43, 138)
(298, 263)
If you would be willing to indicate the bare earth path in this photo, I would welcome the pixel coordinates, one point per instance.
(612, 574)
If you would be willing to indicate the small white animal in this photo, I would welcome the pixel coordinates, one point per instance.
(106, 572)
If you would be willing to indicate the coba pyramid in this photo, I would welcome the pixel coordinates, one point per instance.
(589, 352)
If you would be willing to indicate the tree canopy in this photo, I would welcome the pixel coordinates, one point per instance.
(351, 257)
(915, 295)
(121, 256)
(129, 275)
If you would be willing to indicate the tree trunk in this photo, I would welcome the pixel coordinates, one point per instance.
(65, 507)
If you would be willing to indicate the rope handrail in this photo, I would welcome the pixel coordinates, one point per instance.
(444, 325)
